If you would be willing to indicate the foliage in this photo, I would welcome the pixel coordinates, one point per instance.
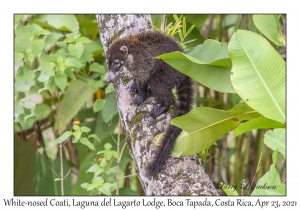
(104, 180)
(61, 97)
(255, 71)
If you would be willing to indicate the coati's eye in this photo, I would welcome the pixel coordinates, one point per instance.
(117, 62)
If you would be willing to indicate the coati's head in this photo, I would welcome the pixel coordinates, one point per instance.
(116, 56)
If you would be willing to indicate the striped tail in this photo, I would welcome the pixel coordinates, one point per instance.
(163, 152)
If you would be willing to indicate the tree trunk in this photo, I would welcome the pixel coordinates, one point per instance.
(181, 176)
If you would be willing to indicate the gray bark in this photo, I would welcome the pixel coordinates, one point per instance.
(181, 176)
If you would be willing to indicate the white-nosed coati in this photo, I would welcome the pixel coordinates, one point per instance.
(137, 53)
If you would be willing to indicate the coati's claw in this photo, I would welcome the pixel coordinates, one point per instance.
(138, 100)
(157, 110)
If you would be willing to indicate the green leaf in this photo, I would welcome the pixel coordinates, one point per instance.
(25, 73)
(73, 62)
(77, 135)
(86, 142)
(275, 139)
(95, 67)
(62, 45)
(46, 58)
(209, 64)
(41, 111)
(269, 27)
(29, 101)
(76, 34)
(76, 95)
(17, 19)
(70, 74)
(45, 75)
(92, 186)
(60, 64)
(46, 66)
(258, 74)
(107, 146)
(94, 136)
(95, 84)
(98, 105)
(93, 168)
(85, 129)
(83, 40)
(107, 155)
(63, 137)
(205, 125)
(109, 88)
(87, 56)
(85, 185)
(60, 53)
(270, 183)
(23, 86)
(37, 46)
(29, 55)
(115, 154)
(257, 123)
(61, 22)
(106, 190)
(53, 38)
(61, 81)
(76, 49)
(51, 85)
(28, 116)
(18, 56)
(76, 128)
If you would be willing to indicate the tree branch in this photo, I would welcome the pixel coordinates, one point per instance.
(181, 176)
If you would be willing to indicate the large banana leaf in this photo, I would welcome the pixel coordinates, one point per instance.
(258, 74)
(209, 64)
(204, 125)
(257, 123)
(269, 27)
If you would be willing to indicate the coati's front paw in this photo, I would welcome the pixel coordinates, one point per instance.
(157, 110)
(138, 100)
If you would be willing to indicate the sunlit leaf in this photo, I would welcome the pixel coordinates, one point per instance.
(209, 64)
(98, 105)
(257, 123)
(86, 142)
(63, 137)
(269, 27)
(204, 125)
(258, 74)
(61, 81)
(275, 139)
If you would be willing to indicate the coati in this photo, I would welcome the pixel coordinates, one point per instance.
(137, 53)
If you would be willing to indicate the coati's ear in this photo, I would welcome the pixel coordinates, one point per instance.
(124, 50)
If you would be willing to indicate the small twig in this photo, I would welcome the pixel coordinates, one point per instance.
(122, 152)
(54, 172)
(210, 158)
(127, 176)
(113, 138)
(67, 173)
(257, 168)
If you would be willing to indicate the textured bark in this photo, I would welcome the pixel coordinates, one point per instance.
(181, 176)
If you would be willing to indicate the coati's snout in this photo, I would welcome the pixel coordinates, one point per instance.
(113, 70)
(116, 60)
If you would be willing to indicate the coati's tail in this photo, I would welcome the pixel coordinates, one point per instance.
(163, 152)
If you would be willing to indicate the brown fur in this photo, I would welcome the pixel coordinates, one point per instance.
(137, 53)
